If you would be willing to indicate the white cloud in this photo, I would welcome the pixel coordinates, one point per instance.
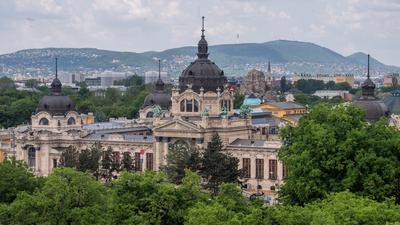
(141, 25)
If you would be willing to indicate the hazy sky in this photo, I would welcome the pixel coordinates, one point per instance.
(346, 26)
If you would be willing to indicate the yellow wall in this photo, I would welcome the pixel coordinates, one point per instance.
(1, 155)
(342, 79)
(88, 119)
(279, 112)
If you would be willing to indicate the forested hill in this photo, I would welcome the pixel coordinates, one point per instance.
(235, 59)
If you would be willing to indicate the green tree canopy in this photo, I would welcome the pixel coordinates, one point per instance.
(180, 157)
(218, 166)
(15, 177)
(334, 149)
(67, 197)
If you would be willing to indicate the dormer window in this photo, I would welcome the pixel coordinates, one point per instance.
(44, 122)
(71, 121)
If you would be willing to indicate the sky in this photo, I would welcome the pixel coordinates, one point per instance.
(345, 26)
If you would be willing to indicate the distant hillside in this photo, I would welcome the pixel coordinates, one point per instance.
(286, 57)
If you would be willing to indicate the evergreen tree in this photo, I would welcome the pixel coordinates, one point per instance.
(127, 162)
(106, 164)
(180, 157)
(218, 166)
(89, 159)
(69, 157)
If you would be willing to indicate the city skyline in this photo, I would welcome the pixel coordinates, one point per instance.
(345, 26)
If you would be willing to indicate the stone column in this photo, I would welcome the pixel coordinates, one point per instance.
(165, 150)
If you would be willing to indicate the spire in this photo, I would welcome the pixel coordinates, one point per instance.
(56, 84)
(202, 27)
(269, 66)
(368, 68)
(159, 83)
(56, 68)
(159, 69)
(202, 46)
(368, 86)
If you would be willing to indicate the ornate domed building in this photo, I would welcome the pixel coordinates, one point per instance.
(202, 73)
(374, 107)
(56, 111)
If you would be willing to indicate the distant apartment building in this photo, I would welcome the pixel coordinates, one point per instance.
(391, 80)
(337, 78)
(70, 78)
(105, 79)
(152, 77)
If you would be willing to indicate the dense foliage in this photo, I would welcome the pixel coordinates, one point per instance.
(333, 149)
(72, 197)
(311, 85)
(215, 165)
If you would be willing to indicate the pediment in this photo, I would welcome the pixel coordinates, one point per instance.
(178, 125)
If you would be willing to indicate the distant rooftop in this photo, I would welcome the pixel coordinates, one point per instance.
(256, 143)
(287, 105)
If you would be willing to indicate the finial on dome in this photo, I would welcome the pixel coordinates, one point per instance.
(202, 46)
(368, 68)
(56, 68)
(202, 26)
(159, 69)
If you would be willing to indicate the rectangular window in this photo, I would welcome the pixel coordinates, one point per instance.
(54, 163)
(138, 163)
(246, 167)
(189, 105)
(116, 157)
(272, 169)
(259, 168)
(284, 170)
(149, 161)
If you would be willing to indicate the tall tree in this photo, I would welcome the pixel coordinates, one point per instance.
(334, 149)
(106, 164)
(180, 157)
(89, 159)
(218, 166)
(69, 157)
(127, 162)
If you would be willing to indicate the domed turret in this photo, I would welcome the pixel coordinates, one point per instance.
(56, 104)
(158, 96)
(374, 108)
(202, 73)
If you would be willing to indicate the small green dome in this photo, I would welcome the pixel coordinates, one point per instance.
(251, 100)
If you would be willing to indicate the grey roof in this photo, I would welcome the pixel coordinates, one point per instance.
(255, 143)
(288, 105)
(158, 97)
(393, 102)
(56, 105)
(374, 109)
(272, 122)
(113, 126)
(119, 137)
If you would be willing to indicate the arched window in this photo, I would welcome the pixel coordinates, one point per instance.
(183, 106)
(196, 106)
(71, 121)
(59, 123)
(149, 114)
(189, 105)
(32, 157)
(44, 122)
